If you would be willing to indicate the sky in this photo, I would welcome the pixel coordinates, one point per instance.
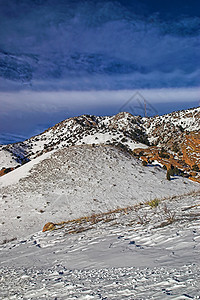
(64, 58)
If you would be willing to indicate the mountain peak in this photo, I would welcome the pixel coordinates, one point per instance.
(172, 132)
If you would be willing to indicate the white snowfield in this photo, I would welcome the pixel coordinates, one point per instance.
(121, 257)
(7, 160)
(147, 251)
(22, 172)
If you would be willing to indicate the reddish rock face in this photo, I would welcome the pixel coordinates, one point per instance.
(5, 171)
(185, 159)
(191, 149)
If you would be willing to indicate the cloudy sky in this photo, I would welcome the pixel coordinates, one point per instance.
(64, 58)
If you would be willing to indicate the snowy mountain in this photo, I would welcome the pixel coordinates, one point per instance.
(100, 207)
(170, 128)
(85, 129)
(174, 132)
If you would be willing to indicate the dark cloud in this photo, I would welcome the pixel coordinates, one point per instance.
(96, 44)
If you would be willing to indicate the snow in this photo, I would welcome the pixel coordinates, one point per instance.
(120, 259)
(90, 129)
(114, 283)
(157, 163)
(188, 119)
(7, 160)
(76, 182)
(134, 145)
(21, 172)
(103, 138)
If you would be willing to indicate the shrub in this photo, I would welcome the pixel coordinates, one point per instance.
(141, 153)
(175, 148)
(168, 175)
(153, 203)
(163, 154)
(7, 170)
(171, 171)
(170, 215)
(124, 140)
(144, 163)
(9, 240)
(195, 168)
(181, 128)
(176, 171)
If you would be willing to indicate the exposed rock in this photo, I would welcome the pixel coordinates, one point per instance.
(48, 226)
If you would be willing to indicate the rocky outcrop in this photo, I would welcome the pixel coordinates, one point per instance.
(183, 155)
(191, 149)
(48, 226)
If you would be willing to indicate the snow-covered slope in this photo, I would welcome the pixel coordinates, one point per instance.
(75, 182)
(7, 160)
(143, 253)
(161, 129)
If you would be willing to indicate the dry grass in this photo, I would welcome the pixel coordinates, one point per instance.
(140, 215)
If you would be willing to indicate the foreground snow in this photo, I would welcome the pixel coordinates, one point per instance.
(142, 253)
(114, 283)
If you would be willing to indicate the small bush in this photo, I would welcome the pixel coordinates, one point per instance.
(176, 171)
(168, 175)
(153, 203)
(171, 171)
(141, 153)
(175, 148)
(181, 128)
(163, 154)
(124, 140)
(144, 163)
(7, 170)
(195, 168)
(170, 215)
(9, 240)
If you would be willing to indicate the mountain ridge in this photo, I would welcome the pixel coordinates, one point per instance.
(176, 134)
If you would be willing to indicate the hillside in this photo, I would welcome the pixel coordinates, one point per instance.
(78, 181)
(174, 141)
